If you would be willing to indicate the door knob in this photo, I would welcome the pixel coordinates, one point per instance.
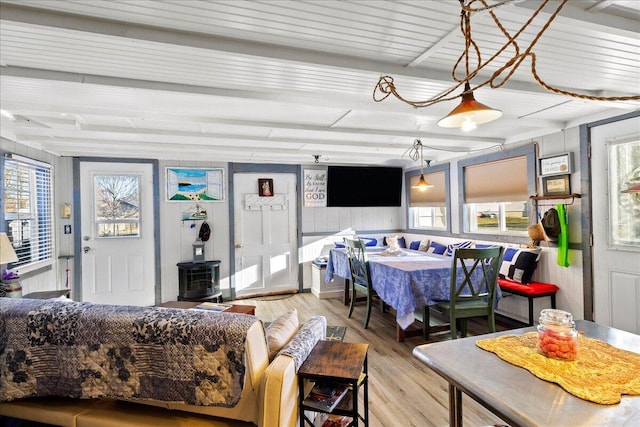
(238, 245)
(86, 249)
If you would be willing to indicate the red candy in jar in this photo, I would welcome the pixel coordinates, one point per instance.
(557, 335)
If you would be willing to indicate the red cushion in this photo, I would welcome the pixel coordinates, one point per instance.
(532, 289)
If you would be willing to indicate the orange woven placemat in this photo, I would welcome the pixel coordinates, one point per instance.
(600, 374)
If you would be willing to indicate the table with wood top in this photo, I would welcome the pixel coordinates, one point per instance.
(517, 396)
(338, 362)
(235, 308)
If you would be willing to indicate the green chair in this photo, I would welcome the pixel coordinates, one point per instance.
(360, 275)
(472, 289)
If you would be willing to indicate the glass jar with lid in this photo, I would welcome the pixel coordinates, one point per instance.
(557, 335)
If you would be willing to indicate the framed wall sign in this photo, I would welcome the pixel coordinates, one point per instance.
(558, 164)
(265, 187)
(558, 185)
(195, 184)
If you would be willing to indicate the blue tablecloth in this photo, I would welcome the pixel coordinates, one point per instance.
(406, 282)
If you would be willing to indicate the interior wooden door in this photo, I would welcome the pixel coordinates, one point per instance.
(266, 249)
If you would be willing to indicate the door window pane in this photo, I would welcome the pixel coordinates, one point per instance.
(624, 197)
(117, 207)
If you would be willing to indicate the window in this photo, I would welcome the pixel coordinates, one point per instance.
(117, 205)
(428, 208)
(624, 197)
(28, 193)
(496, 192)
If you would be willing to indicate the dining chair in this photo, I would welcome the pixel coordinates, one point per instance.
(360, 275)
(472, 289)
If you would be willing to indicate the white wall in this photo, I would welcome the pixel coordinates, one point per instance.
(177, 236)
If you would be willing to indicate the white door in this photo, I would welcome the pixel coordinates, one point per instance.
(117, 233)
(265, 234)
(615, 167)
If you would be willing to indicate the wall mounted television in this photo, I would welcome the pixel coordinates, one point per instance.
(363, 186)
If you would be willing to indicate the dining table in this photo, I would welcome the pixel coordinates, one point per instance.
(517, 396)
(406, 280)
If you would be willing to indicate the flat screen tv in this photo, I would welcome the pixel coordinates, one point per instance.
(359, 186)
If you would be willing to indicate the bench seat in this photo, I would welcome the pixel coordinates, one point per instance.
(530, 291)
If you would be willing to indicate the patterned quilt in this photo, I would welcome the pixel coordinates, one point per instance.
(84, 350)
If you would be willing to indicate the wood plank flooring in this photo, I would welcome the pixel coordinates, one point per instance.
(402, 391)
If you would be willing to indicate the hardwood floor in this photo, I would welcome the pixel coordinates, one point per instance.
(402, 391)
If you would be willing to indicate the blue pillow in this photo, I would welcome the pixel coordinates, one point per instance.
(436, 248)
(461, 245)
(338, 244)
(402, 243)
(483, 246)
(519, 264)
(369, 241)
(414, 245)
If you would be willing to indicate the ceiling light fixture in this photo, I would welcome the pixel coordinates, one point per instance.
(416, 151)
(471, 113)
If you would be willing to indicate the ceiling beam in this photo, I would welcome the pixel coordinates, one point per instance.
(30, 15)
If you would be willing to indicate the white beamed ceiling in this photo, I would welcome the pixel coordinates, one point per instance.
(282, 81)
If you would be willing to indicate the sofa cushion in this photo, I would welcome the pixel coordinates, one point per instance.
(300, 346)
(414, 245)
(519, 264)
(424, 245)
(281, 330)
(460, 245)
(436, 248)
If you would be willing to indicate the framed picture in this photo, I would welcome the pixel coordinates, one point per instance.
(195, 184)
(556, 185)
(558, 164)
(265, 187)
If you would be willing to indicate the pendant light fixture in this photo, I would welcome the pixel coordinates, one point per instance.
(422, 183)
(469, 113)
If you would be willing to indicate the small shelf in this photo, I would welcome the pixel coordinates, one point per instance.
(557, 197)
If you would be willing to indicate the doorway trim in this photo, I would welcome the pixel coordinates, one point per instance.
(77, 238)
(261, 168)
(587, 208)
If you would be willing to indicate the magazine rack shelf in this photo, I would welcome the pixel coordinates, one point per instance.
(335, 364)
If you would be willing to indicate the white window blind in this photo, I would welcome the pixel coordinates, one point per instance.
(497, 181)
(431, 197)
(28, 193)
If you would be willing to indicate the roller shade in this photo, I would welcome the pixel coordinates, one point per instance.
(499, 181)
(434, 196)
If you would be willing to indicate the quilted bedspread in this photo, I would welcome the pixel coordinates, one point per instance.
(84, 350)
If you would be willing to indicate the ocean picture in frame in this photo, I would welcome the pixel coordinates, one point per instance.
(195, 184)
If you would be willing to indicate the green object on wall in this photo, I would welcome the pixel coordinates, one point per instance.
(563, 238)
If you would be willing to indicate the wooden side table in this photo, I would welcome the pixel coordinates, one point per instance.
(235, 308)
(337, 362)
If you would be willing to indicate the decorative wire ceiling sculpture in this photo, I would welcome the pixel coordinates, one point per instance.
(386, 86)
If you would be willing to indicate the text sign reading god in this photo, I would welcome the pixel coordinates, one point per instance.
(315, 188)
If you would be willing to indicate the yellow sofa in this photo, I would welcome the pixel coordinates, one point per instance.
(269, 398)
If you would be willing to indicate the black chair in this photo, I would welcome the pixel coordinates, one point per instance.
(360, 275)
(472, 296)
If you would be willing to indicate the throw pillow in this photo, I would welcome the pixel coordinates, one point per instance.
(424, 245)
(402, 242)
(414, 245)
(460, 245)
(280, 331)
(338, 244)
(436, 248)
(369, 241)
(519, 264)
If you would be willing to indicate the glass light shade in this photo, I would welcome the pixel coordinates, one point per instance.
(7, 254)
(469, 113)
(422, 184)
